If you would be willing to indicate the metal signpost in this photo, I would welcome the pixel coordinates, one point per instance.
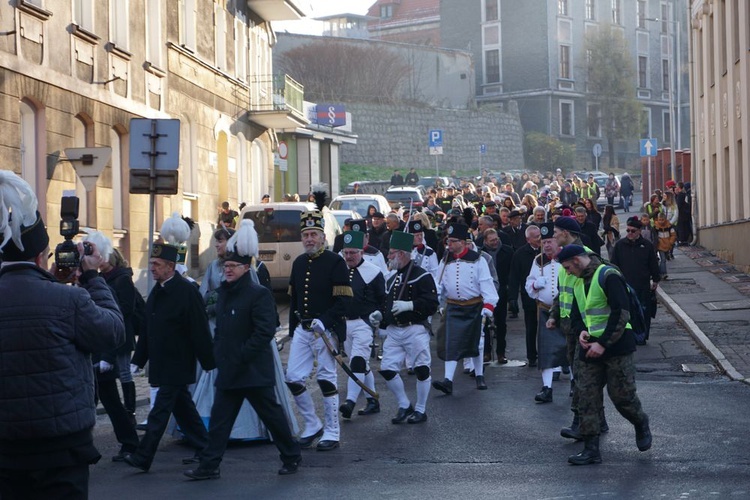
(436, 147)
(597, 150)
(648, 148)
(482, 152)
(283, 163)
(154, 160)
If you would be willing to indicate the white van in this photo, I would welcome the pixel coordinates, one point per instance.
(279, 237)
(360, 203)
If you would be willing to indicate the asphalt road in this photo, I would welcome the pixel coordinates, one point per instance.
(493, 444)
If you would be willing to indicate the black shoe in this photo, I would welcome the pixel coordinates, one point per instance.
(643, 436)
(402, 414)
(327, 445)
(290, 468)
(307, 442)
(472, 374)
(573, 432)
(589, 455)
(480, 383)
(532, 363)
(200, 474)
(446, 386)
(347, 408)
(373, 406)
(417, 418)
(566, 370)
(544, 396)
(195, 459)
(133, 461)
(120, 457)
(556, 376)
(141, 427)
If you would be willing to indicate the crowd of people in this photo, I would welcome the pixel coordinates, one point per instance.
(454, 270)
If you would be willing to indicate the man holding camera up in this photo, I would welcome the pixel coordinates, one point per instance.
(48, 331)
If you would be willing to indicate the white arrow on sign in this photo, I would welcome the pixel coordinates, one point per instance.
(648, 147)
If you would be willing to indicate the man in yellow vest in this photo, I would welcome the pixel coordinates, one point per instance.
(600, 314)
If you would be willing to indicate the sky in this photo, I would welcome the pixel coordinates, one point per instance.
(319, 8)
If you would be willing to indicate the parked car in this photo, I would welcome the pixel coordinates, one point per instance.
(405, 196)
(279, 239)
(359, 203)
(430, 182)
(342, 215)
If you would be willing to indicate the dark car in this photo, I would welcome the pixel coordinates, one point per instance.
(405, 196)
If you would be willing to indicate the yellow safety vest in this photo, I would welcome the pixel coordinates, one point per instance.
(593, 306)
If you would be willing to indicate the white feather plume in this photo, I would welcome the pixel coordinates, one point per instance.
(103, 244)
(175, 230)
(245, 241)
(16, 198)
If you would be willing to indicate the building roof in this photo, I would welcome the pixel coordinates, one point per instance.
(404, 10)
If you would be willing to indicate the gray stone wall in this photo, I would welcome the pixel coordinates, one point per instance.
(397, 136)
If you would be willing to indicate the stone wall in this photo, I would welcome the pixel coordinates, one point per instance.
(397, 137)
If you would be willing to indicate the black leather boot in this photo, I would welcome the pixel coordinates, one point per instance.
(446, 386)
(573, 432)
(544, 396)
(128, 399)
(643, 435)
(372, 407)
(347, 408)
(603, 426)
(589, 455)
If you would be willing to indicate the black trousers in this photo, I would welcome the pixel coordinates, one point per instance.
(63, 483)
(118, 415)
(172, 399)
(644, 296)
(532, 325)
(501, 324)
(227, 404)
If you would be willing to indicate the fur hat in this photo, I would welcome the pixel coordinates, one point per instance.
(21, 226)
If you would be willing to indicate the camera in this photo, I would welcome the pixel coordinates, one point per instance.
(66, 253)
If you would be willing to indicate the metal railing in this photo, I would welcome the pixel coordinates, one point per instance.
(286, 94)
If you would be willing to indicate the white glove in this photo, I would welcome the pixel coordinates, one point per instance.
(402, 306)
(317, 326)
(375, 318)
(134, 369)
(486, 313)
(540, 283)
(104, 366)
(441, 310)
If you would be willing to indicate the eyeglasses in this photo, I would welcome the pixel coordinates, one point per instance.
(632, 230)
(232, 267)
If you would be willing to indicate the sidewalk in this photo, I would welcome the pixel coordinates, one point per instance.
(712, 301)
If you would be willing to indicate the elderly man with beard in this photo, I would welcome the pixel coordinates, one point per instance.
(320, 293)
(411, 298)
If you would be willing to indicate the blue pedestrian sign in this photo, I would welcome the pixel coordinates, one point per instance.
(648, 147)
(483, 149)
(436, 142)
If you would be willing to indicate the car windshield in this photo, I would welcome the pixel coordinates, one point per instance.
(402, 195)
(276, 226)
(359, 206)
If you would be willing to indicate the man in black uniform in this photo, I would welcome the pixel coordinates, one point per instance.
(176, 334)
(412, 178)
(320, 293)
(368, 290)
(516, 230)
(411, 299)
(520, 268)
(245, 326)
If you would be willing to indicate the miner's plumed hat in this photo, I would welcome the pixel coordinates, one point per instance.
(548, 230)
(568, 224)
(402, 241)
(354, 239)
(458, 231)
(164, 251)
(22, 232)
(243, 244)
(416, 226)
(311, 220)
(358, 225)
(570, 251)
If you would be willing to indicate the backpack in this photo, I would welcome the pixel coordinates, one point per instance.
(139, 314)
(637, 311)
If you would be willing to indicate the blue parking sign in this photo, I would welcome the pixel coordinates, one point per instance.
(436, 138)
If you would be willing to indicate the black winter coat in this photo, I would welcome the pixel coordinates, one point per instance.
(637, 261)
(245, 325)
(176, 334)
(520, 268)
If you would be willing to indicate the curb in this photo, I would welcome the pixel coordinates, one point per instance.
(700, 337)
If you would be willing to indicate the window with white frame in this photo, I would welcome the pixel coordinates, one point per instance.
(240, 47)
(491, 11)
(187, 17)
(492, 66)
(590, 10)
(220, 29)
(562, 8)
(666, 125)
(116, 141)
(566, 118)
(643, 72)
(491, 41)
(616, 12)
(564, 66)
(646, 131)
(83, 14)
(119, 23)
(28, 143)
(153, 32)
(665, 75)
(641, 13)
(386, 11)
(665, 17)
(594, 118)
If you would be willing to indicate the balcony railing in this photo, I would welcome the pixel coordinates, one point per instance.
(286, 95)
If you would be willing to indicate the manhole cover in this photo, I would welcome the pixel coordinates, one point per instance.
(728, 305)
(697, 368)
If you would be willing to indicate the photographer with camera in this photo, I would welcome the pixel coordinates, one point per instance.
(48, 331)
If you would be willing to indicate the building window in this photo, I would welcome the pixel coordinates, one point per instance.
(119, 23)
(240, 48)
(116, 162)
(220, 21)
(491, 11)
(565, 61)
(492, 66)
(643, 72)
(566, 118)
(153, 31)
(386, 11)
(83, 14)
(723, 52)
(562, 7)
(28, 143)
(646, 133)
(641, 13)
(666, 127)
(736, 30)
(594, 117)
(665, 17)
(590, 10)
(616, 12)
(187, 23)
(665, 75)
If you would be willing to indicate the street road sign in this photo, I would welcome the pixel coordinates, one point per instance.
(88, 163)
(436, 142)
(483, 149)
(283, 150)
(648, 147)
(166, 146)
(597, 150)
